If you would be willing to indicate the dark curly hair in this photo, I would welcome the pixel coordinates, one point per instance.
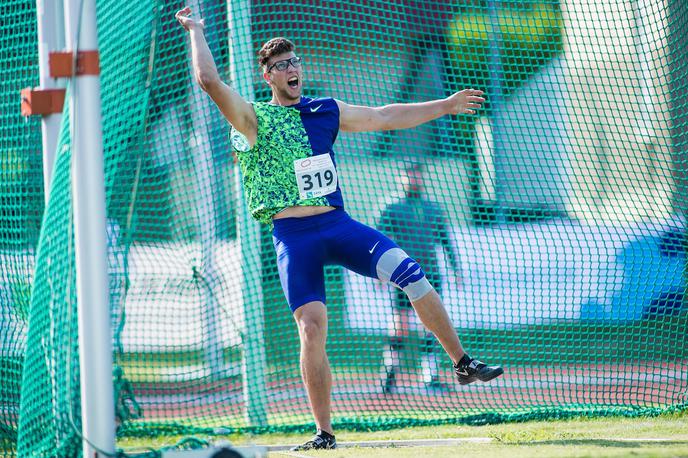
(272, 48)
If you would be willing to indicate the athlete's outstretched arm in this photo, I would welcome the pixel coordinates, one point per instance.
(354, 118)
(237, 110)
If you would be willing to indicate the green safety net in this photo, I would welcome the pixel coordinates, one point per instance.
(21, 206)
(552, 223)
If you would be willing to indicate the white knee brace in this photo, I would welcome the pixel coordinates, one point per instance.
(396, 267)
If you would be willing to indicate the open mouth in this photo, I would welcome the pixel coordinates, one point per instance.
(293, 82)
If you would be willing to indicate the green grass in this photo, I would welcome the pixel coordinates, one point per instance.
(7, 448)
(560, 449)
(578, 437)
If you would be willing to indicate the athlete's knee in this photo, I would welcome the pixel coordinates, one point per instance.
(312, 323)
(311, 331)
(396, 267)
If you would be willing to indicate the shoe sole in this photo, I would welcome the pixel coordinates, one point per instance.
(491, 376)
(300, 448)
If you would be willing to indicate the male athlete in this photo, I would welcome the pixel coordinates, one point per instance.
(284, 148)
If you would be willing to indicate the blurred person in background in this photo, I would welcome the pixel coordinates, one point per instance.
(418, 225)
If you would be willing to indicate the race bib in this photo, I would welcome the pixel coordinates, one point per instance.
(315, 176)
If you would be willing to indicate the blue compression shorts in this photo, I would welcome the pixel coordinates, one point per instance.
(305, 245)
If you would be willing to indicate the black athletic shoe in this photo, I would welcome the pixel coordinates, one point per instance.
(476, 370)
(321, 441)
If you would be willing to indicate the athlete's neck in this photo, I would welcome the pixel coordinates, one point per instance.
(284, 102)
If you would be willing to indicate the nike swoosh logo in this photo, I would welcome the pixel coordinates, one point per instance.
(462, 372)
(373, 248)
(313, 110)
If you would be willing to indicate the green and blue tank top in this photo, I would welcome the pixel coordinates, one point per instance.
(289, 136)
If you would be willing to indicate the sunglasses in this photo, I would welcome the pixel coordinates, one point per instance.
(282, 65)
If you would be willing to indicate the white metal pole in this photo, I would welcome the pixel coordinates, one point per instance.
(496, 98)
(248, 232)
(50, 38)
(95, 341)
(50, 29)
(642, 39)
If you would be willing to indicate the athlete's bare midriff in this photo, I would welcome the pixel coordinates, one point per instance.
(301, 212)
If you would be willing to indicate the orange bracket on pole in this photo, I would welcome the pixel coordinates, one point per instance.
(37, 101)
(61, 64)
(41, 101)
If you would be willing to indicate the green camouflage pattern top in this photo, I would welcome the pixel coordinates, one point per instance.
(285, 134)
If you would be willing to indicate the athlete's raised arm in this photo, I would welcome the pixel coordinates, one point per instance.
(237, 110)
(354, 118)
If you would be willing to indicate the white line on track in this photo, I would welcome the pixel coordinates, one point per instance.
(294, 454)
(395, 443)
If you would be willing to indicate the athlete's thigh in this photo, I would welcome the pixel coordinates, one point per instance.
(357, 247)
(300, 264)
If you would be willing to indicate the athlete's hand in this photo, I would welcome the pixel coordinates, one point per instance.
(186, 21)
(465, 102)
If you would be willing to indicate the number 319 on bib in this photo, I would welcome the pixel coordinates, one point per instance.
(315, 176)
